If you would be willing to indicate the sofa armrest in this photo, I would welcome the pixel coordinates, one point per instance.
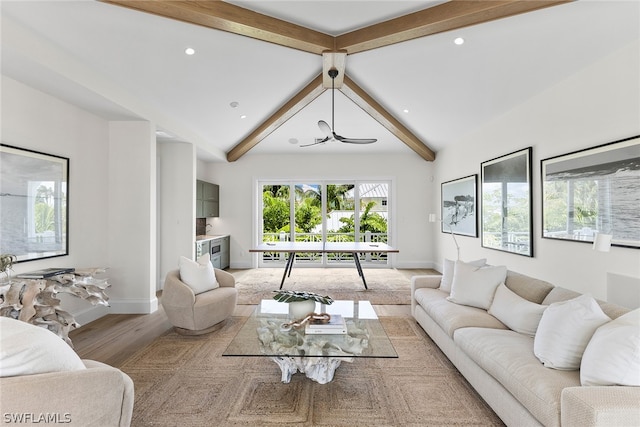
(97, 396)
(418, 282)
(600, 406)
(225, 279)
(427, 281)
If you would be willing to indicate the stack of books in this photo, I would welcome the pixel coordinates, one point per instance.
(336, 325)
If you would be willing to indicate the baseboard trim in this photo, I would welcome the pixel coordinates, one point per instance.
(415, 264)
(90, 314)
(141, 306)
(242, 265)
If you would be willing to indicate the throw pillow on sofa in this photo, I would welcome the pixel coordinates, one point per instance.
(447, 272)
(475, 286)
(565, 330)
(517, 313)
(198, 275)
(612, 357)
(26, 349)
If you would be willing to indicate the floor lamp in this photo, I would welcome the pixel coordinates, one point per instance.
(432, 218)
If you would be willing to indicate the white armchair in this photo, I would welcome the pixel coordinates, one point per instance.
(196, 314)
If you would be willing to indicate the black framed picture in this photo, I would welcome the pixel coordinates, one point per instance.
(596, 190)
(459, 208)
(34, 209)
(507, 214)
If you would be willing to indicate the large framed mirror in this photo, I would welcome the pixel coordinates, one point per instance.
(507, 222)
(34, 210)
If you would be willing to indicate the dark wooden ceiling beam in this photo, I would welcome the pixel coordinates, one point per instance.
(228, 17)
(443, 17)
(234, 19)
(386, 119)
(277, 119)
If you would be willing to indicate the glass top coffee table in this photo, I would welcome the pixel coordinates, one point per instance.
(317, 356)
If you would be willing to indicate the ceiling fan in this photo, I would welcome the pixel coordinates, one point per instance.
(329, 131)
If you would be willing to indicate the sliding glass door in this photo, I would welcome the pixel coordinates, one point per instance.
(323, 211)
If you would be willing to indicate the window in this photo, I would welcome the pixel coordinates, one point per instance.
(323, 211)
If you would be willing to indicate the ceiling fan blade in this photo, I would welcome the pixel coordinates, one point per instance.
(325, 128)
(318, 141)
(354, 140)
(359, 140)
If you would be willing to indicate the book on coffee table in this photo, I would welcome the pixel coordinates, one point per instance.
(336, 325)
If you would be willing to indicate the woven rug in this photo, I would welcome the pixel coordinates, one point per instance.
(386, 285)
(184, 381)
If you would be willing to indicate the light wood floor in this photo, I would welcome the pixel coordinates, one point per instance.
(115, 337)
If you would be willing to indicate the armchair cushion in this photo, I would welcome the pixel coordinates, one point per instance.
(26, 349)
(198, 275)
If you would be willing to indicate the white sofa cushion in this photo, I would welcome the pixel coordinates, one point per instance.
(475, 286)
(516, 312)
(565, 330)
(26, 349)
(447, 272)
(450, 316)
(198, 275)
(612, 357)
(508, 357)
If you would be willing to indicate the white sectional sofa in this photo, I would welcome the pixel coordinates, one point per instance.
(501, 365)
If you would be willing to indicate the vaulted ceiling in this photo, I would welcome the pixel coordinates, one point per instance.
(257, 82)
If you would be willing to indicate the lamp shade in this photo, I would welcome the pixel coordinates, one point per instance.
(602, 242)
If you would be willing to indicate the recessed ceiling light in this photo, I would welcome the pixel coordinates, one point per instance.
(406, 110)
(458, 40)
(244, 116)
(293, 141)
(234, 104)
(189, 51)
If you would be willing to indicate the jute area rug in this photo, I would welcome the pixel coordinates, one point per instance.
(386, 285)
(185, 381)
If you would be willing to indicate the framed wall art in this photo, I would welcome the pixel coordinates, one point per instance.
(33, 204)
(596, 190)
(459, 207)
(507, 219)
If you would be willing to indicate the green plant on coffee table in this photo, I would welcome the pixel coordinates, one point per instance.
(293, 296)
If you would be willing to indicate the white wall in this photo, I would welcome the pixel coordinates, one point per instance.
(110, 182)
(39, 122)
(412, 196)
(176, 205)
(598, 105)
(132, 216)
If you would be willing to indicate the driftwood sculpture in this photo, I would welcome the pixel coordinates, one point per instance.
(35, 302)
